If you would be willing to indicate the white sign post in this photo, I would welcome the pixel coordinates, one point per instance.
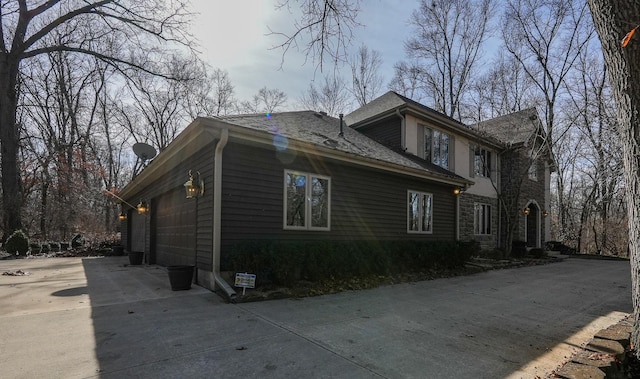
(245, 281)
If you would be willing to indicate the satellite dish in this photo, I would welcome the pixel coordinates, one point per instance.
(144, 151)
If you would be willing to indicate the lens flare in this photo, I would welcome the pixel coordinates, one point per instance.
(280, 142)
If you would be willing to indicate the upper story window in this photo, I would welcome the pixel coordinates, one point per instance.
(306, 201)
(482, 162)
(419, 212)
(436, 147)
(533, 170)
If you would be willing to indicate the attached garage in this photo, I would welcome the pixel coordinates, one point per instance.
(173, 225)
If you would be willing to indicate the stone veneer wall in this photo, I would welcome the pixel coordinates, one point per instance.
(515, 166)
(467, 202)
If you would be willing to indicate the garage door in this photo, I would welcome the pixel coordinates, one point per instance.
(173, 221)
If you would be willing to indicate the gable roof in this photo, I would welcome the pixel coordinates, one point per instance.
(392, 104)
(512, 129)
(323, 133)
(388, 103)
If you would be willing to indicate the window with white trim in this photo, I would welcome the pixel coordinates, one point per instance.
(307, 201)
(436, 147)
(482, 162)
(419, 212)
(482, 219)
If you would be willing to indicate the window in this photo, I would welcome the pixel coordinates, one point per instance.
(533, 170)
(436, 147)
(482, 219)
(419, 212)
(482, 162)
(306, 201)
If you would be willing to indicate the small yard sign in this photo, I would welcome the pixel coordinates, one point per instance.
(245, 281)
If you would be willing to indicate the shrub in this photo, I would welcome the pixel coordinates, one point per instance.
(17, 243)
(518, 249)
(537, 253)
(497, 254)
(559, 246)
(34, 247)
(285, 262)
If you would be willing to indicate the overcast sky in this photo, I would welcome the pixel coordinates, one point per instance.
(233, 36)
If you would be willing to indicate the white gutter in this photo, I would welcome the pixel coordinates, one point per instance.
(217, 215)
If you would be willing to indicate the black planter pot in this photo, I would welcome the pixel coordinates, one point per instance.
(180, 277)
(135, 257)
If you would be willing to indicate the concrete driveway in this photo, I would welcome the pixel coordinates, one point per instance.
(97, 318)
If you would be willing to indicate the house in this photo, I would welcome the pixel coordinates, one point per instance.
(307, 176)
(526, 164)
(506, 159)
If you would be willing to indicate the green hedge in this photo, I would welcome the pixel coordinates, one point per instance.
(284, 263)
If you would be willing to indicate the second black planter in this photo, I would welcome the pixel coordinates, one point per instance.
(135, 257)
(180, 277)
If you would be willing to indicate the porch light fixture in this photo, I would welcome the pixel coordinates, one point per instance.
(458, 190)
(142, 208)
(526, 211)
(194, 186)
(545, 213)
(122, 216)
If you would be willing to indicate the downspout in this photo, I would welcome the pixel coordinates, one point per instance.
(458, 216)
(403, 142)
(217, 215)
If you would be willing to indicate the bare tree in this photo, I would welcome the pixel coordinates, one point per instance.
(365, 72)
(222, 95)
(332, 98)
(547, 38)
(265, 101)
(159, 102)
(86, 27)
(504, 89)
(209, 94)
(591, 108)
(611, 18)
(60, 104)
(323, 31)
(449, 35)
(408, 80)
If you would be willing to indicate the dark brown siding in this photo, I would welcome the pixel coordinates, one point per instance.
(387, 132)
(171, 185)
(174, 223)
(366, 204)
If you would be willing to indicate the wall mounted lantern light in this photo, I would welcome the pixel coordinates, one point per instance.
(458, 190)
(526, 211)
(142, 208)
(122, 216)
(545, 213)
(194, 186)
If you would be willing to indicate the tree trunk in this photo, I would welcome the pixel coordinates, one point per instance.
(11, 189)
(611, 18)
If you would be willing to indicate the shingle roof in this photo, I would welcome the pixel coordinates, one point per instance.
(511, 129)
(387, 102)
(322, 130)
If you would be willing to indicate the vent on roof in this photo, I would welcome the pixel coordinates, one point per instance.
(320, 114)
(331, 143)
